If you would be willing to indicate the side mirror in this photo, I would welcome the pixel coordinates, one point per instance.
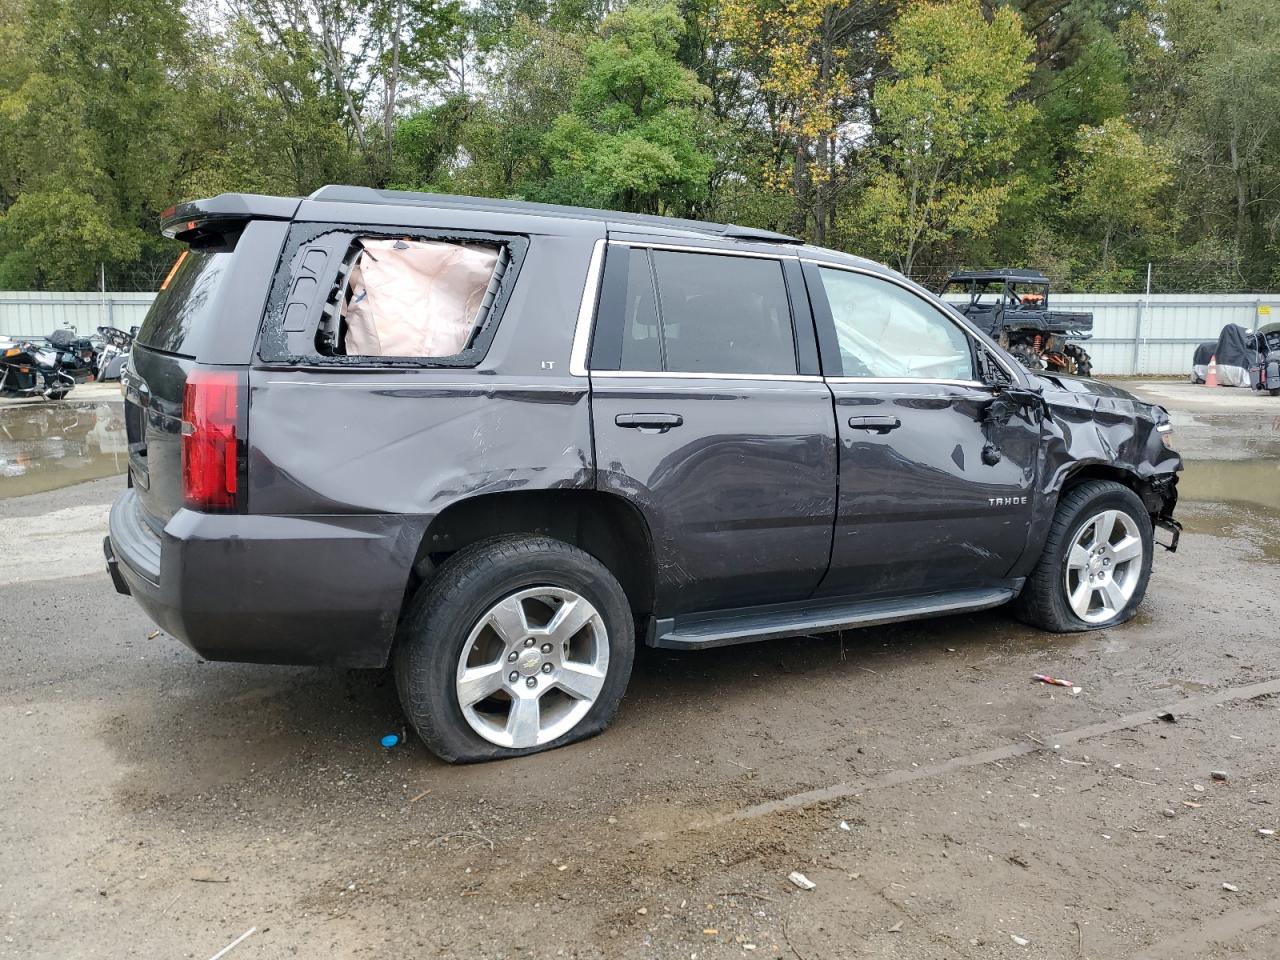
(991, 372)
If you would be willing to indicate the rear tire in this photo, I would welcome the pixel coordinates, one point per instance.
(530, 608)
(1096, 562)
(1080, 358)
(1023, 353)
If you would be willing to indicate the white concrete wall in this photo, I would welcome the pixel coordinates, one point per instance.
(39, 314)
(1134, 334)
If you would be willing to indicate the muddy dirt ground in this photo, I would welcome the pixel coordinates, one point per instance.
(945, 806)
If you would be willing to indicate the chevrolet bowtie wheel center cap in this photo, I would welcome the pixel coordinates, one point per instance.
(530, 662)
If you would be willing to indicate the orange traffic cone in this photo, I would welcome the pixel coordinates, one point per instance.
(1211, 377)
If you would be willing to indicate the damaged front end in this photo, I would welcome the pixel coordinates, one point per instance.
(1097, 430)
(1160, 491)
(1160, 494)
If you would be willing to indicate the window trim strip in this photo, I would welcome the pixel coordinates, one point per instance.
(908, 380)
(713, 251)
(587, 311)
(676, 375)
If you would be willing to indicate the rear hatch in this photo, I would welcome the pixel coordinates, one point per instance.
(164, 354)
(194, 348)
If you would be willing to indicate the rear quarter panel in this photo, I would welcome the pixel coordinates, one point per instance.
(353, 462)
(410, 441)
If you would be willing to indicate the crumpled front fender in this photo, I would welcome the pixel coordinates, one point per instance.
(1095, 430)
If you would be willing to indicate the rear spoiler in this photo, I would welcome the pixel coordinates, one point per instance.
(196, 218)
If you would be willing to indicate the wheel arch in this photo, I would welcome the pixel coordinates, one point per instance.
(604, 525)
(1154, 491)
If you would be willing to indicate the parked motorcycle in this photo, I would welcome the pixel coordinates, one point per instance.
(77, 355)
(49, 369)
(111, 359)
(30, 369)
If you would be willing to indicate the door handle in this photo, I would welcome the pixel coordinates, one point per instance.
(661, 422)
(878, 424)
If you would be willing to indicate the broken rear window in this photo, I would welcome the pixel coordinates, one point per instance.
(398, 297)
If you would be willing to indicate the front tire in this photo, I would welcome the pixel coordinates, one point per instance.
(517, 645)
(1096, 562)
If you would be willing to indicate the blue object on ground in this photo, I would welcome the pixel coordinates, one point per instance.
(390, 740)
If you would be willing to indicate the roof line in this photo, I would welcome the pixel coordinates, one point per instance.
(348, 194)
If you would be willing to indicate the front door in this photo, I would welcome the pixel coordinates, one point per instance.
(709, 415)
(935, 494)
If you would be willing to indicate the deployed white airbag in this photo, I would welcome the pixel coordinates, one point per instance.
(415, 298)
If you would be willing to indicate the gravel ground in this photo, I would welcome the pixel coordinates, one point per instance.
(944, 805)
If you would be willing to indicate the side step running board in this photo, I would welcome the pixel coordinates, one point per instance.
(794, 619)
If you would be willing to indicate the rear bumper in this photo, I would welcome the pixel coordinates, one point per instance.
(268, 589)
(113, 568)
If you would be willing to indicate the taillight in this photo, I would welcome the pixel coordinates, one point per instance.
(209, 408)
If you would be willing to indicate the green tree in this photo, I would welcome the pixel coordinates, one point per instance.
(1207, 84)
(948, 129)
(264, 121)
(806, 62)
(91, 137)
(631, 139)
(1112, 188)
(372, 56)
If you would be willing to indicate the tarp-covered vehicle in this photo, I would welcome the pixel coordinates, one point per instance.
(1012, 307)
(1233, 353)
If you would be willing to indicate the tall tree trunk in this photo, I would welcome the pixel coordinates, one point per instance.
(333, 60)
(800, 187)
(824, 159)
(821, 184)
(907, 261)
(391, 87)
(1242, 191)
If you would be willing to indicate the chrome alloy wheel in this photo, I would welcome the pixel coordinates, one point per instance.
(532, 667)
(1104, 566)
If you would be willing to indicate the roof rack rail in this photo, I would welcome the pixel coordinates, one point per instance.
(345, 194)
(735, 232)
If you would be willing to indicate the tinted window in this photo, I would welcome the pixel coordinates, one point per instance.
(184, 302)
(641, 344)
(886, 331)
(723, 314)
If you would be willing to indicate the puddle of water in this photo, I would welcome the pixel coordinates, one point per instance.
(44, 446)
(1255, 526)
(1226, 436)
(1239, 499)
(1248, 482)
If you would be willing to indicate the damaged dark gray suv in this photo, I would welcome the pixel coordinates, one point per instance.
(497, 444)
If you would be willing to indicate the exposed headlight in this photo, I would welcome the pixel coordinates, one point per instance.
(1164, 426)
